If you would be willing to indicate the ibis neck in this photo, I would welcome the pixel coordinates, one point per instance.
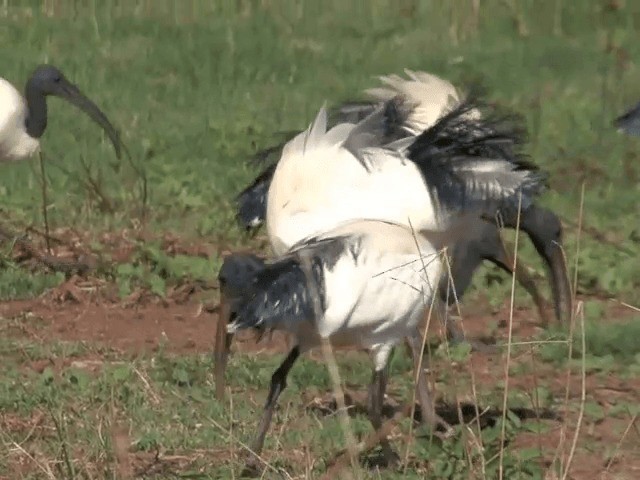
(36, 121)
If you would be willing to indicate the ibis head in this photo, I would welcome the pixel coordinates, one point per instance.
(48, 80)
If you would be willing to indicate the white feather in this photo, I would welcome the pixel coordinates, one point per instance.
(322, 185)
(15, 143)
(431, 95)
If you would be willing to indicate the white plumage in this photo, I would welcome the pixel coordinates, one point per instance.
(362, 265)
(15, 143)
(431, 96)
(319, 184)
(356, 215)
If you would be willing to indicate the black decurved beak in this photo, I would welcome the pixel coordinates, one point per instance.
(72, 94)
(545, 230)
(562, 299)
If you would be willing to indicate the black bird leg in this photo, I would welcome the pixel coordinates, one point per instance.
(429, 416)
(278, 384)
(375, 404)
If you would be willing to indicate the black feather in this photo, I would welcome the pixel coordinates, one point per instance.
(445, 152)
(262, 156)
(278, 294)
(252, 201)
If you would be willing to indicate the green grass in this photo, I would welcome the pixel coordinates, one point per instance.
(196, 88)
(68, 416)
(166, 404)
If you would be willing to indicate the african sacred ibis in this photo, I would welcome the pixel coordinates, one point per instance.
(476, 176)
(362, 284)
(433, 97)
(629, 122)
(24, 120)
(363, 171)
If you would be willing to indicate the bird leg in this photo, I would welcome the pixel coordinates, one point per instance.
(222, 346)
(375, 404)
(278, 384)
(429, 416)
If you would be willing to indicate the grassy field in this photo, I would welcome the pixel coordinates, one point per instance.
(109, 374)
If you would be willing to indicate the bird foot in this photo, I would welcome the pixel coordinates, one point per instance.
(253, 467)
(385, 458)
(433, 422)
(481, 347)
(448, 432)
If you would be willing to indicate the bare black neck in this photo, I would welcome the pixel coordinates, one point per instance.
(36, 121)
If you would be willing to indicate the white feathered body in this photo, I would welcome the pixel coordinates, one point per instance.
(374, 282)
(318, 183)
(15, 143)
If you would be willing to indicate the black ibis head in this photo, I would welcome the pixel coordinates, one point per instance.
(629, 122)
(47, 80)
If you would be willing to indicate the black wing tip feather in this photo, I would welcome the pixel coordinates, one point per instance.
(498, 133)
(251, 203)
(278, 294)
(459, 138)
(262, 156)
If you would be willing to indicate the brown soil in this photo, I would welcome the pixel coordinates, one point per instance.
(141, 325)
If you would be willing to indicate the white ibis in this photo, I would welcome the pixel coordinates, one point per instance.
(432, 97)
(629, 122)
(364, 171)
(362, 284)
(24, 120)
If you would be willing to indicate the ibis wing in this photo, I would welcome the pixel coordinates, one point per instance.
(275, 295)
(472, 163)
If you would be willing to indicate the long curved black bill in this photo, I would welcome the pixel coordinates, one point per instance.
(222, 346)
(74, 96)
(562, 299)
(545, 231)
